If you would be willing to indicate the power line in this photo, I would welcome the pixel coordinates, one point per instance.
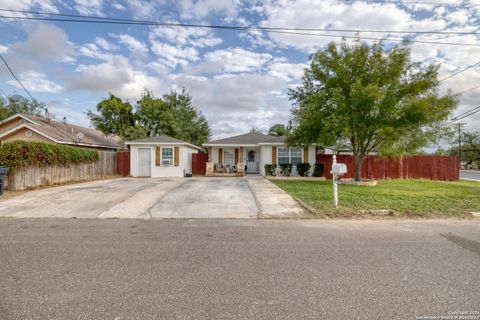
(461, 114)
(15, 77)
(460, 71)
(410, 2)
(238, 28)
(246, 28)
(28, 92)
(464, 115)
(471, 89)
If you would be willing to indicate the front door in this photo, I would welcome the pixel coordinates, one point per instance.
(251, 162)
(144, 164)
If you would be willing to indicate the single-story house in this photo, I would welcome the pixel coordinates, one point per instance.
(256, 150)
(161, 156)
(35, 128)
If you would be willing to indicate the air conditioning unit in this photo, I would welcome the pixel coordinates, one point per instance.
(166, 162)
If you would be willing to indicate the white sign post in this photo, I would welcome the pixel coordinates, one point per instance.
(337, 170)
(335, 186)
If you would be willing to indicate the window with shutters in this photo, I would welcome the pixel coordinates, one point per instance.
(167, 156)
(290, 155)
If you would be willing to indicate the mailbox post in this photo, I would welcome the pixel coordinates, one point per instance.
(338, 169)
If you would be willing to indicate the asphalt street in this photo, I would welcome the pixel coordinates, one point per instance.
(468, 174)
(237, 269)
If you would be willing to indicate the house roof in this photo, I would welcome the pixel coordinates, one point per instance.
(248, 139)
(60, 132)
(162, 139)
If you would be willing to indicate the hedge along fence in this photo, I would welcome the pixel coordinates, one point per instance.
(36, 164)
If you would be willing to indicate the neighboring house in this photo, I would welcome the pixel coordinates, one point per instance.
(35, 128)
(161, 156)
(256, 150)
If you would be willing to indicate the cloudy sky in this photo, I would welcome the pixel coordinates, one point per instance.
(238, 79)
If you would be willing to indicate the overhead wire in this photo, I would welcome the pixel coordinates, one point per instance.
(234, 27)
(25, 89)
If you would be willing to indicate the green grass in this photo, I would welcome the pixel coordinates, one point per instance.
(412, 198)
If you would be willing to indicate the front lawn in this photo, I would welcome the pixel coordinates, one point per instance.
(412, 198)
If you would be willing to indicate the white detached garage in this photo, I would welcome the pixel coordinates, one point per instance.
(161, 156)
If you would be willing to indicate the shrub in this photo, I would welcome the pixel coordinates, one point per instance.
(318, 169)
(20, 154)
(270, 169)
(286, 169)
(302, 169)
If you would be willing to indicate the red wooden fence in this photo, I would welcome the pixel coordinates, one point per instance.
(123, 163)
(199, 161)
(412, 167)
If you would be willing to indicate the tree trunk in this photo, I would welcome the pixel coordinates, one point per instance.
(358, 167)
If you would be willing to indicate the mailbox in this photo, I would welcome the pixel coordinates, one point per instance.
(339, 168)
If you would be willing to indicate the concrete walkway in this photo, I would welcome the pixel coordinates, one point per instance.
(248, 197)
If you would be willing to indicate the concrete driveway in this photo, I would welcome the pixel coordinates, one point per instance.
(247, 197)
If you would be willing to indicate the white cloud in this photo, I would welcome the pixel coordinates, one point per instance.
(104, 44)
(236, 102)
(3, 49)
(44, 41)
(118, 6)
(89, 7)
(459, 17)
(233, 60)
(44, 5)
(174, 55)
(133, 44)
(36, 82)
(202, 8)
(115, 74)
(287, 71)
(195, 37)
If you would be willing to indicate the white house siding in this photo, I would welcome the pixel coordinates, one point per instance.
(134, 160)
(214, 155)
(186, 158)
(265, 158)
(185, 161)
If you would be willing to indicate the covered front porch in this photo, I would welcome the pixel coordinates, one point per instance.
(232, 160)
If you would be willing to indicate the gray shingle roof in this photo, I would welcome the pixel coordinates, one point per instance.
(249, 138)
(162, 139)
(68, 133)
(159, 139)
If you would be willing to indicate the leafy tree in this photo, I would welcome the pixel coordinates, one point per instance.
(189, 123)
(172, 115)
(371, 98)
(114, 117)
(277, 130)
(471, 147)
(19, 104)
(155, 116)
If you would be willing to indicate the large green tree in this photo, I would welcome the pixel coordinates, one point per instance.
(369, 97)
(114, 117)
(189, 123)
(471, 147)
(277, 130)
(172, 115)
(19, 104)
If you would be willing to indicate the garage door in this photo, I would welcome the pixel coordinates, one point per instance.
(144, 165)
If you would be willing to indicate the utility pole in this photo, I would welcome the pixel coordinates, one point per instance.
(460, 124)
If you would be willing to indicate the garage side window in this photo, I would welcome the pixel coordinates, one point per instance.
(167, 156)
